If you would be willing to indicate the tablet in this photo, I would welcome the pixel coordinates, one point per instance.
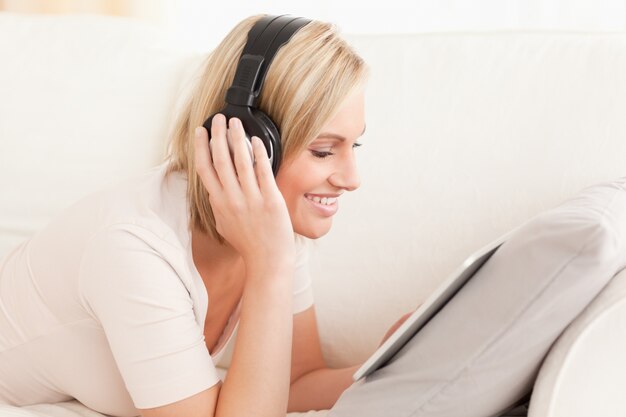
(431, 306)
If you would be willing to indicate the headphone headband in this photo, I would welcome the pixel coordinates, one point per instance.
(264, 40)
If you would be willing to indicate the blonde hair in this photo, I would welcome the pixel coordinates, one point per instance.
(307, 81)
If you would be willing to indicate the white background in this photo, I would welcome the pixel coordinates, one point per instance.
(202, 23)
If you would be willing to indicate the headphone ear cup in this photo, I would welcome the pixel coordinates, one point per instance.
(273, 137)
(256, 123)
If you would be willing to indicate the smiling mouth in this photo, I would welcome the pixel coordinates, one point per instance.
(321, 199)
(324, 206)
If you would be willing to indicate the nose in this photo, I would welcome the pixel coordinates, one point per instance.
(346, 175)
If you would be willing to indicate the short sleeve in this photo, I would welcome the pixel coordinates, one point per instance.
(302, 289)
(135, 290)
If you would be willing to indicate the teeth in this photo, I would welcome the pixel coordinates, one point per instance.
(323, 200)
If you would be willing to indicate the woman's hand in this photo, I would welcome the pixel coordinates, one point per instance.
(250, 212)
(393, 328)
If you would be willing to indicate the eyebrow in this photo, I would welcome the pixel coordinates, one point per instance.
(330, 135)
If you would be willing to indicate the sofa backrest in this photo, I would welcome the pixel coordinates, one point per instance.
(468, 136)
(84, 101)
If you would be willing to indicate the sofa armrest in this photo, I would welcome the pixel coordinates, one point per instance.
(584, 373)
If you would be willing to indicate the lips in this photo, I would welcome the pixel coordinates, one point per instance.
(325, 205)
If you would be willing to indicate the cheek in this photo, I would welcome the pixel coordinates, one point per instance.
(290, 179)
(293, 191)
(298, 178)
(289, 186)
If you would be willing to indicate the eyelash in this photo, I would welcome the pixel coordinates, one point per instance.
(323, 155)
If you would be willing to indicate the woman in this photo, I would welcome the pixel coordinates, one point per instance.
(126, 301)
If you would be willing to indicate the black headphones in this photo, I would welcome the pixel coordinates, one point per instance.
(264, 40)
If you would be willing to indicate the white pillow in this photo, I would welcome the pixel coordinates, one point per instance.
(482, 352)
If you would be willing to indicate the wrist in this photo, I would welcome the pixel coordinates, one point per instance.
(259, 267)
(283, 260)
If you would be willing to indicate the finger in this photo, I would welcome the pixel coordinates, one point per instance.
(263, 167)
(243, 163)
(204, 167)
(403, 319)
(221, 156)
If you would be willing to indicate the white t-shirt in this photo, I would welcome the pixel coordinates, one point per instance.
(106, 306)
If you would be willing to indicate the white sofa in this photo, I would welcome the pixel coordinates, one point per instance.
(468, 135)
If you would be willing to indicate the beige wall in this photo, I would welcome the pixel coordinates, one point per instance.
(144, 9)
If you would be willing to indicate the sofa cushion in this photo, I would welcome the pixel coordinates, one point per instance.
(584, 373)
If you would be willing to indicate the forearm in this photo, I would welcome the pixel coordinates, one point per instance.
(320, 389)
(257, 383)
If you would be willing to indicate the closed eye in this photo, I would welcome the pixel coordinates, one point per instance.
(322, 154)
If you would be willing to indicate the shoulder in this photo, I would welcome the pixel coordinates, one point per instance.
(149, 209)
(129, 245)
(126, 258)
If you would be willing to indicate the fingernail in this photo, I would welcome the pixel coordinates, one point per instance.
(198, 131)
(256, 141)
(234, 123)
(217, 120)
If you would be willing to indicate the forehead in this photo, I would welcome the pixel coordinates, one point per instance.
(350, 118)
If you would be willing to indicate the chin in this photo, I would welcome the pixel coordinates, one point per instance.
(312, 232)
